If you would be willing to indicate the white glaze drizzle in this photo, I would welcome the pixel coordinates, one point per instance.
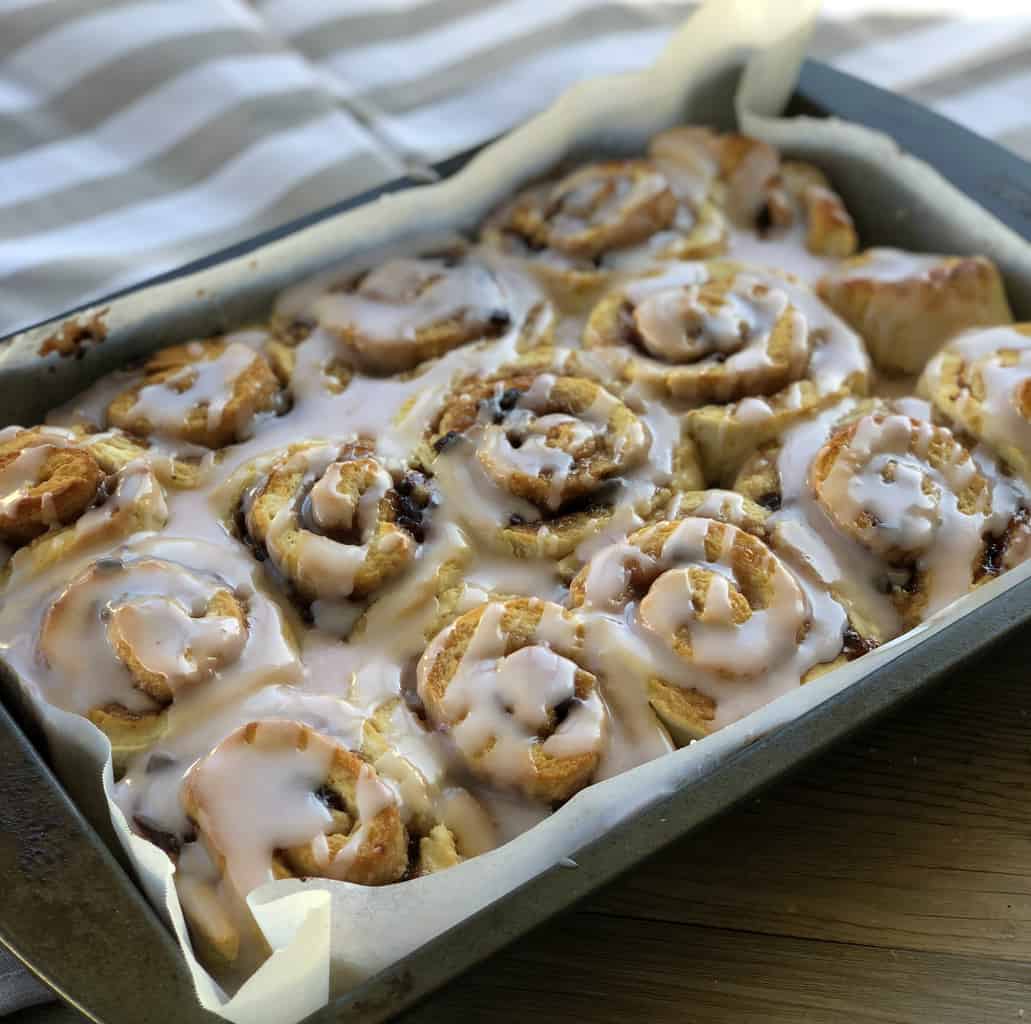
(204, 384)
(738, 664)
(1001, 358)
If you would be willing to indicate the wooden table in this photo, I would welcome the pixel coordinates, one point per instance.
(889, 881)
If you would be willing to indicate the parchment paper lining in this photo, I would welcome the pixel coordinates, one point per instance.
(329, 936)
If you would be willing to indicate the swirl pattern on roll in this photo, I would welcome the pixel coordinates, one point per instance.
(709, 620)
(981, 381)
(45, 481)
(334, 521)
(579, 229)
(747, 351)
(507, 681)
(157, 624)
(333, 817)
(408, 310)
(706, 336)
(525, 459)
(207, 393)
(912, 494)
(134, 634)
(759, 192)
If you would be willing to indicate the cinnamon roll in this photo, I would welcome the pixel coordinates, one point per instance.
(892, 512)
(759, 191)
(62, 492)
(531, 463)
(705, 333)
(801, 194)
(129, 502)
(757, 342)
(906, 306)
(334, 521)
(707, 620)
(46, 481)
(207, 393)
(277, 799)
(577, 230)
(981, 383)
(131, 635)
(408, 310)
(507, 682)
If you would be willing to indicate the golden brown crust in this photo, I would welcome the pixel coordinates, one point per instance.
(748, 351)
(394, 317)
(543, 776)
(889, 482)
(829, 227)
(46, 481)
(130, 501)
(569, 229)
(594, 459)
(690, 582)
(981, 383)
(368, 533)
(746, 178)
(548, 445)
(601, 206)
(675, 339)
(934, 445)
(377, 849)
(907, 307)
(723, 506)
(253, 390)
(127, 602)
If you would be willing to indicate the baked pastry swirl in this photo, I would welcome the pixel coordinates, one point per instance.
(577, 230)
(981, 383)
(46, 481)
(757, 343)
(707, 620)
(507, 681)
(207, 393)
(333, 520)
(332, 816)
(906, 306)
(531, 463)
(406, 311)
(130, 502)
(759, 192)
(335, 817)
(901, 512)
(705, 333)
(62, 492)
(129, 636)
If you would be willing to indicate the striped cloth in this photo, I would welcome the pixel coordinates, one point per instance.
(136, 135)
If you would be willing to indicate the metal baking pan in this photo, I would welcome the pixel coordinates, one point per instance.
(70, 910)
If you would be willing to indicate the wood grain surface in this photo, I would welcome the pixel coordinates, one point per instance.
(890, 881)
